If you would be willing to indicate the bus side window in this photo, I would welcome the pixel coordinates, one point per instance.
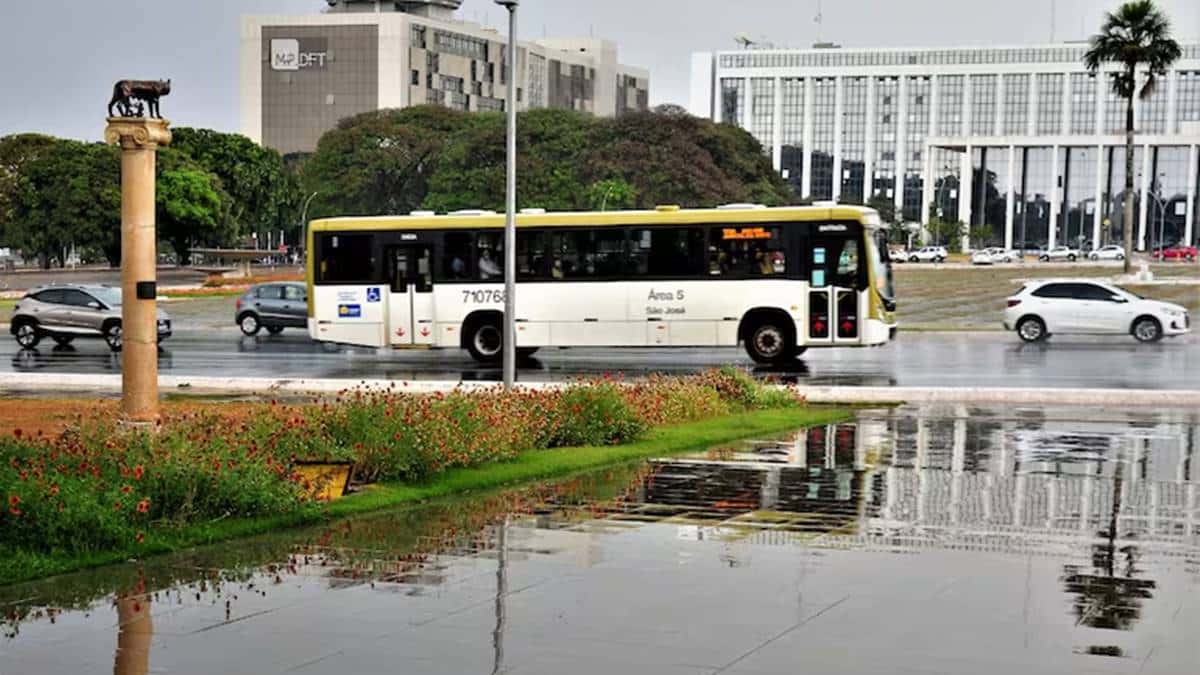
(746, 251)
(348, 258)
(457, 260)
(489, 251)
(673, 252)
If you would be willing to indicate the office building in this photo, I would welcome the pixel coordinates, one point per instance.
(301, 74)
(1035, 140)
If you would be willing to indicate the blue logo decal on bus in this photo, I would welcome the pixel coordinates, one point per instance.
(372, 295)
(349, 311)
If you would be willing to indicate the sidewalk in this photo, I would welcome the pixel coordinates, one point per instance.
(44, 384)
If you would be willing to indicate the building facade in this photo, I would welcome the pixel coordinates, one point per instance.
(1034, 140)
(301, 74)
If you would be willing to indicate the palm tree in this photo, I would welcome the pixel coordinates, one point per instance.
(1136, 35)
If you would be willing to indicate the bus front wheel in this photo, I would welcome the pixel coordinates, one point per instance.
(771, 341)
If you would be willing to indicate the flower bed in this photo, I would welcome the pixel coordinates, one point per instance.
(98, 487)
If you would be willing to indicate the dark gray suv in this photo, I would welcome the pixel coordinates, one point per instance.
(273, 306)
(68, 311)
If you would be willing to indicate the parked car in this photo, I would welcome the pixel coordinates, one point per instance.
(935, 254)
(1176, 252)
(992, 256)
(65, 312)
(1043, 308)
(1110, 252)
(1059, 253)
(273, 306)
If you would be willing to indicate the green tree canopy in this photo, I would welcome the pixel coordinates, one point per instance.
(16, 152)
(70, 195)
(379, 162)
(191, 207)
(262, 193)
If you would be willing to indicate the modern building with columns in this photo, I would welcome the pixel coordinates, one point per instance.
(1036, 142)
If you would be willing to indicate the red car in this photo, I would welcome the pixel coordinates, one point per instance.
(1177, 252)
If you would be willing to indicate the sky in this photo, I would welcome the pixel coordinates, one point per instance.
(60, 59)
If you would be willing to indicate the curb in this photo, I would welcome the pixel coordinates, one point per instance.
(88, 383)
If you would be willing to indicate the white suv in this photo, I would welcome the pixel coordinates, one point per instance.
(1108, 253)
(1060, 253)
(1086, 306)
(935, 254)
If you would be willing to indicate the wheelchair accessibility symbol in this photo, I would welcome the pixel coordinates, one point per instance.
(372, 295)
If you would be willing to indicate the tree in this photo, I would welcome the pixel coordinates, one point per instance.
(70, 195)
(380, 162)
(610, 194)
(189, 209)
(16, 152)
(1137, 35)
(263, 194)
(946, 233)
(886, 208)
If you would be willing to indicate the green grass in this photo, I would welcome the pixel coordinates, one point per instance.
(19, 566)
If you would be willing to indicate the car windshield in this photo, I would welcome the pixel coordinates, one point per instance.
(107, 295)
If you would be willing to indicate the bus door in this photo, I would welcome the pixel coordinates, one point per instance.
(834, 264)
(410, 298)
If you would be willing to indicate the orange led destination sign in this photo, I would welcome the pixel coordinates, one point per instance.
(728, 233)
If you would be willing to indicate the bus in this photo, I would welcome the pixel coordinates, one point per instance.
(776, 280)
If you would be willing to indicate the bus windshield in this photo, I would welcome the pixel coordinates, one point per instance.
(881, 269)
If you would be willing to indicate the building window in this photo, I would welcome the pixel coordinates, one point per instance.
(762, 121)
(733, 101)
(824, 102)
(1016, 104)
(950, 105)
(1049, 103)
(1154, 110)
(1188, 102)
(1083, 103)
(916, 130)
(415, 80)
(983, 105)
(792, 128)
(883, 170)
(854, 138)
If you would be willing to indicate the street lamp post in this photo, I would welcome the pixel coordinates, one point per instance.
(510, 207)
(304, 224)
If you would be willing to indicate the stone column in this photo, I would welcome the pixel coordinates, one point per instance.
(139, 140)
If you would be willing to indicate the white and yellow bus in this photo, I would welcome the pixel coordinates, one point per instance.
(778, 280)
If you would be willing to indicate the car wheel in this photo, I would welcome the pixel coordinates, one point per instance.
(274, 330)
(1071, 258)
(1120, 256)
(1031, 329)
(1093, 257)
(913, 259)
(63, 340)
(1147, 329)
(27, 335)
(771, 341)
(486, 342)
(113, 335)
(1044, 258)
(249, 324)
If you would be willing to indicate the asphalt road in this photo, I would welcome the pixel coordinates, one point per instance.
(914, 359)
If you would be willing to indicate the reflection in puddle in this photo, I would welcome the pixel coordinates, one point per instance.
(944, 539)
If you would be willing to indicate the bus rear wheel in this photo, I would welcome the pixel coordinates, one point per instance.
(485, 342)
(771, 341)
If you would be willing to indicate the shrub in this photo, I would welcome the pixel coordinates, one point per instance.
(596, 414)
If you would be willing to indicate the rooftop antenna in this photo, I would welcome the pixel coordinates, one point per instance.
(744, 40)
(819, 19)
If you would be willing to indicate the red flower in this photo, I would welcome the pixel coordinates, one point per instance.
(54, 490)
(116, 506)
(126, 489)
(17, 433)
(144, 506)
(13, 500)
(141, 537)
(138, 472)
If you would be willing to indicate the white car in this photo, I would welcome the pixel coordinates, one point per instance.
(1086, 306)
(1060, 253)
(992, 256)
(1107, 253)
(935, 254)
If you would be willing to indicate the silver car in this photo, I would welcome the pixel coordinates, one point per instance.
(68, 311)
(273, 306)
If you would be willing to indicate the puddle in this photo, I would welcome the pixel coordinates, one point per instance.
(940, 539)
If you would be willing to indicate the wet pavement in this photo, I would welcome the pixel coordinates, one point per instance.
(914, 359)
(934, 540)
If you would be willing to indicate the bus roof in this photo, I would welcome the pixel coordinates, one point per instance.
(661, 216)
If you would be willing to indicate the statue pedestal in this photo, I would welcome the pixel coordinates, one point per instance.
(139, 139)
